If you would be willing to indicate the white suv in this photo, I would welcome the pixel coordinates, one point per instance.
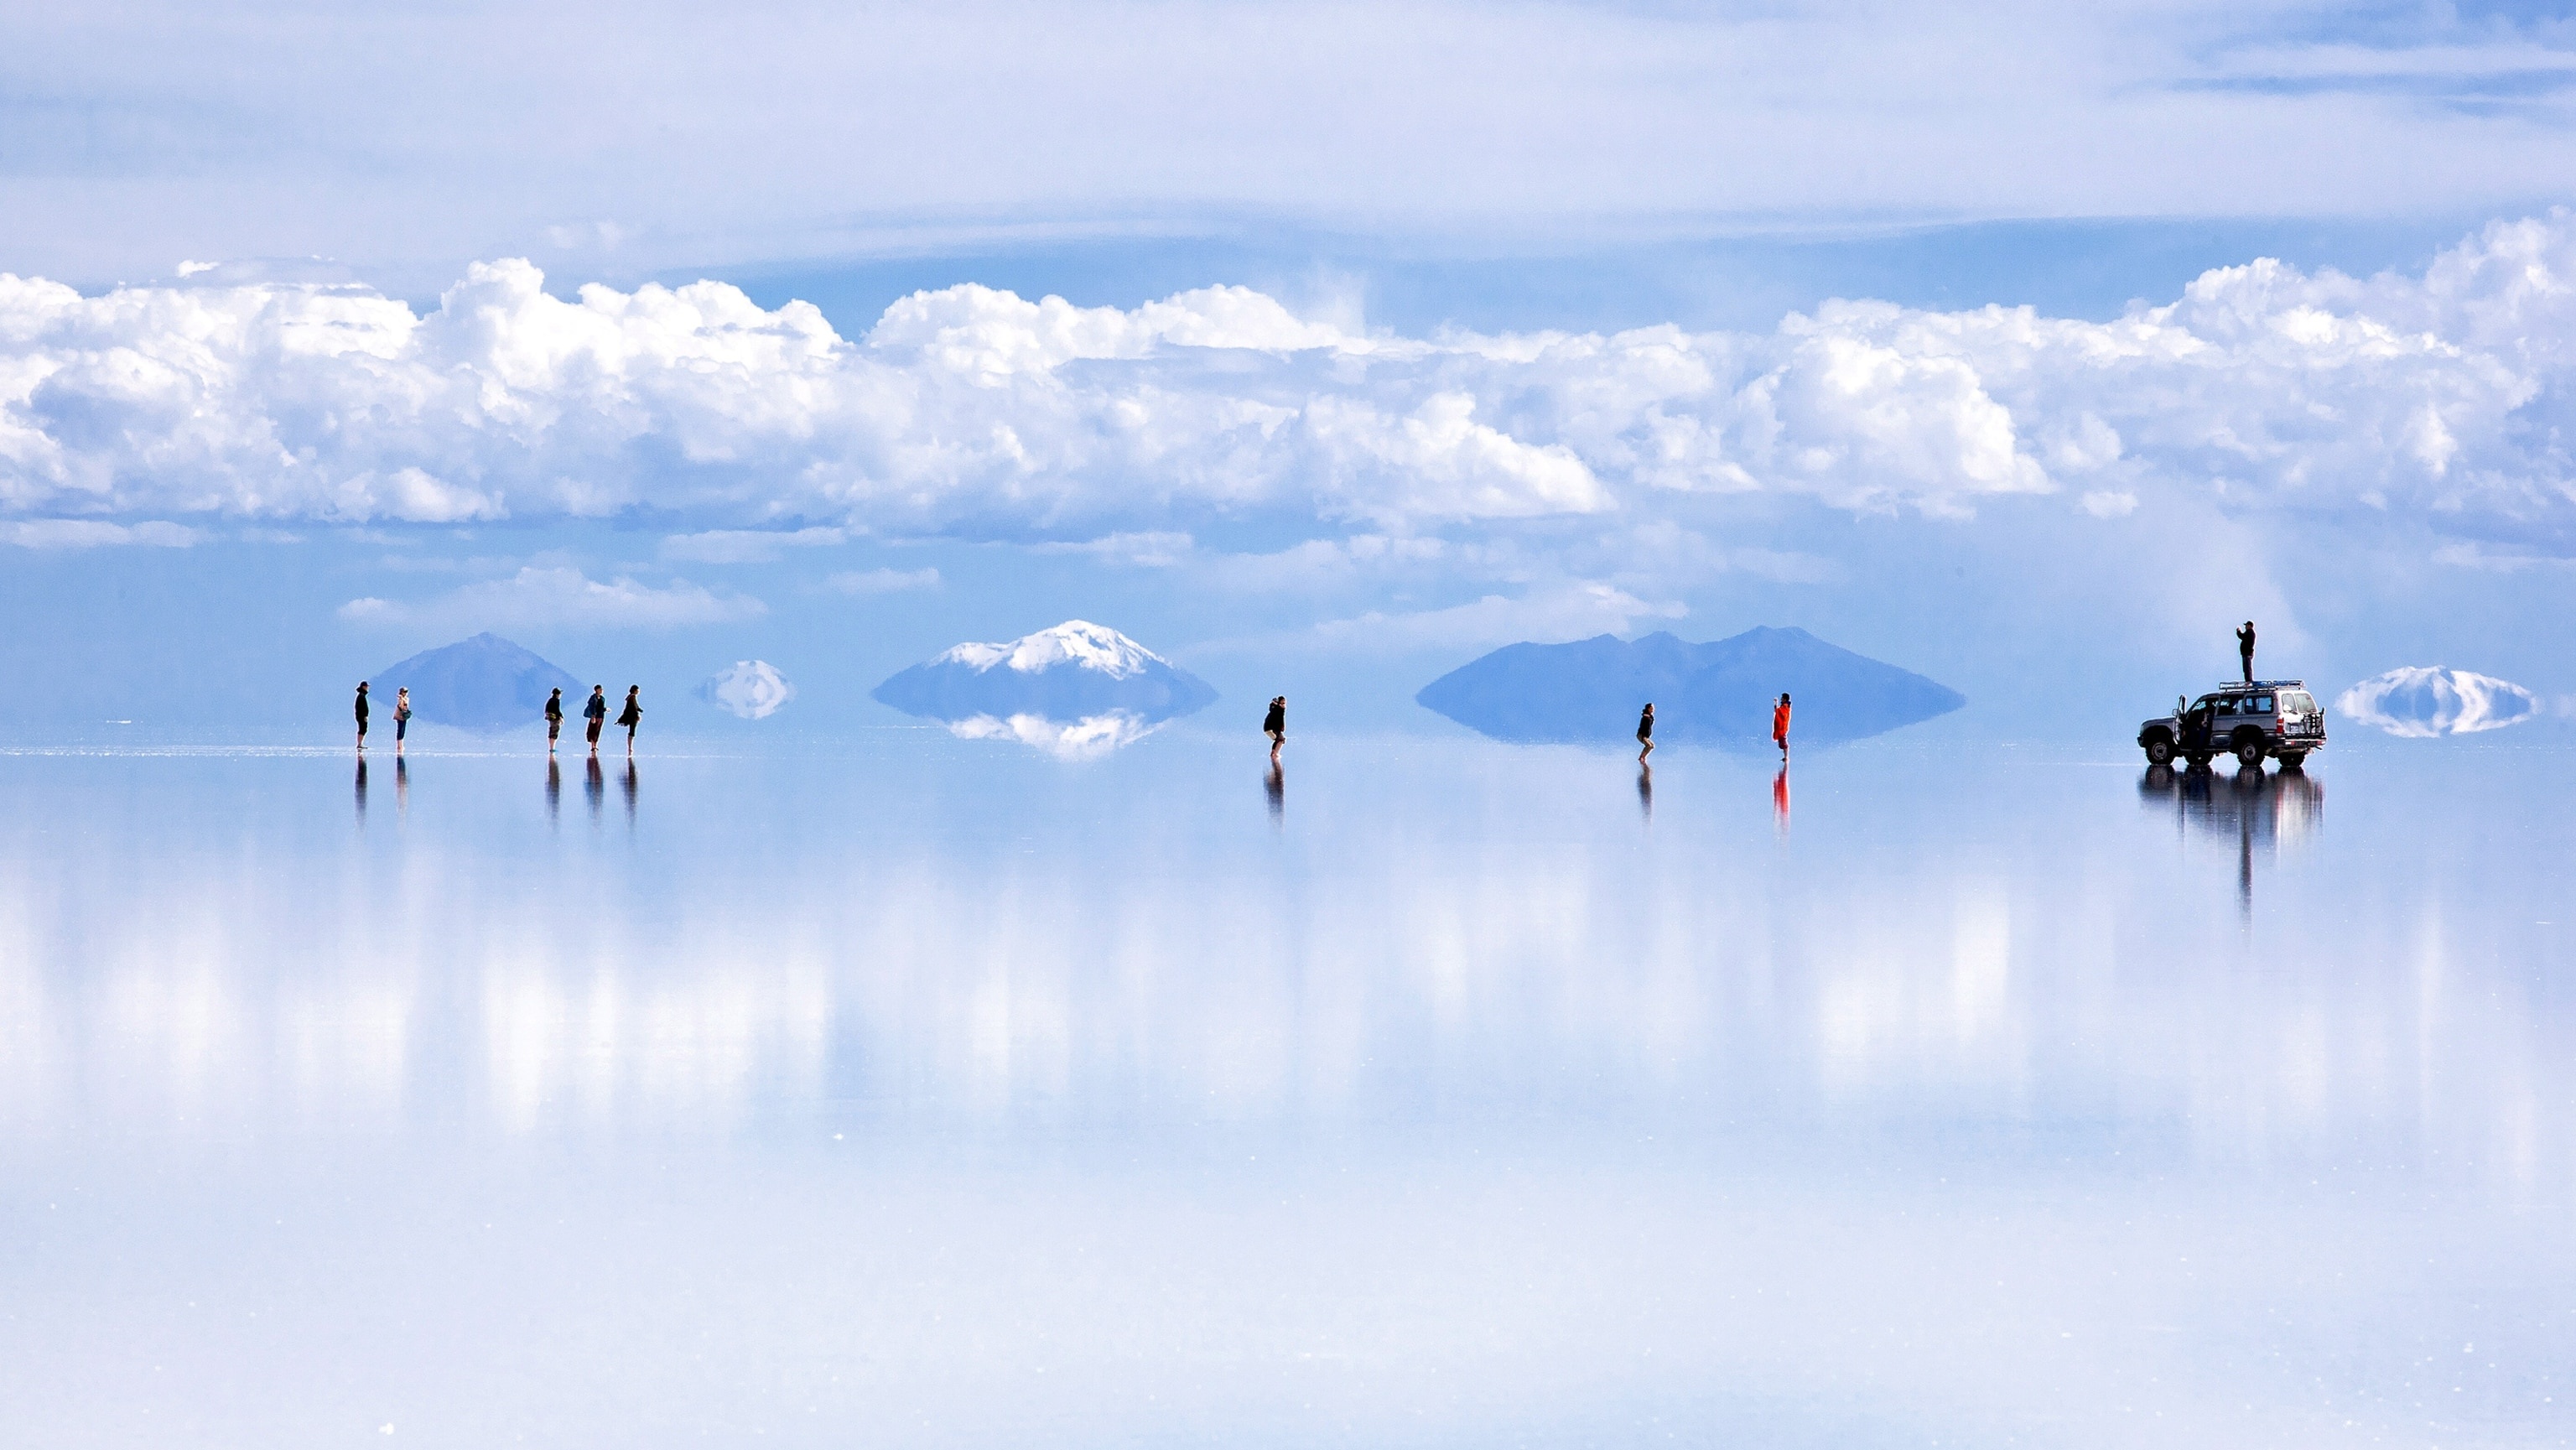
(2278, 718)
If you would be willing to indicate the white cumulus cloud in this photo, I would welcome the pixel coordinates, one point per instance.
(2425, 701)
(560, 597)
(2436, 397)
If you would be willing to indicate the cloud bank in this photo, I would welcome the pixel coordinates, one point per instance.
(2425, 701)
(2442, 397)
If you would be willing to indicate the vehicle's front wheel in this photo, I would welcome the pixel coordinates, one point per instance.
(2250, 755)
(2159, 750)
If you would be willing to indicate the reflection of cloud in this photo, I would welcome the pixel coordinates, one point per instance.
(751, 689)
(2424, 701)
(564, 598)
(1084, 739)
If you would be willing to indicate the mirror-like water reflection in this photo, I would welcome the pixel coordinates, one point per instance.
(920, 1094)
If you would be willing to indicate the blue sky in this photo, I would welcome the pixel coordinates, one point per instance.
(658, 337)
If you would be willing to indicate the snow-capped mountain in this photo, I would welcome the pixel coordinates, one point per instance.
(1073, 672)
(1074, 642)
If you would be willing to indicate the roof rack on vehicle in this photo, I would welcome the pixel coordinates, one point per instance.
(2241, 686)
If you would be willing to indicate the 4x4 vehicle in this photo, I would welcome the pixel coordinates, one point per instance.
(2278, 718)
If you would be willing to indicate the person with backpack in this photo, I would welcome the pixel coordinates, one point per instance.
(402, 717)
(1275, 725)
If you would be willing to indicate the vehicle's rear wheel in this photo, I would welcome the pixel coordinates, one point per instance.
(2250, 755)
(2159, 750)
(2294, 760)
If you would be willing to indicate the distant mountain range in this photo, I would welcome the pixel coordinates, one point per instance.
(483, 683)
(1719, 693)
(1074, 672)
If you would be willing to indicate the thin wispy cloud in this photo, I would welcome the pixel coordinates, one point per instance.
(562, 598)
(94, 534)
(881, 581)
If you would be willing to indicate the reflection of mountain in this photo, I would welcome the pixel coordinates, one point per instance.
(1072, 739)
(483, 683)
(1077, 689)
(1721, 693)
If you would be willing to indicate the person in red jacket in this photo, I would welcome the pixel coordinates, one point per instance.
(1780, 725)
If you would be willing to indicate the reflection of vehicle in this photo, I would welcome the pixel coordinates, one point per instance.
(2269, 717)
(2257, 813)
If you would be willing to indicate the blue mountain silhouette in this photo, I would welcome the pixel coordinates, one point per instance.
(483, 683)
(1719, 693)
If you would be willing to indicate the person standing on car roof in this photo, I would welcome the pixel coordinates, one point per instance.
(2245, 649)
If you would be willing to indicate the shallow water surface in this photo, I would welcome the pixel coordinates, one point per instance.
(918, 1091)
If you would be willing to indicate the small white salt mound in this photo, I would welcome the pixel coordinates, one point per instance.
(2422, 702)
(751, 689)
(1088, 738)
(1075, 642)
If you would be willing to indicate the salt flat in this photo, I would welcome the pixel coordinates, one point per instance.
(910, 1091)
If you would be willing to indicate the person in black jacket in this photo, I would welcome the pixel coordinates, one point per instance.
(554, 718)
(1646, 733)
(362, 714)
(594, 713)
(1275, 724)
(2245, 649)
(631, 716)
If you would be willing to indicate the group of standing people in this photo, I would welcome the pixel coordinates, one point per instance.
(594, 713)
(402, 716)
(1779, 729)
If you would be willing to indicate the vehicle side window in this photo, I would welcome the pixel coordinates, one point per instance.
(2260, 705)
(2223, 707)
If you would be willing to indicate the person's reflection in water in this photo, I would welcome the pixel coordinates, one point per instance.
(1780, 800)
(554, 792)
(595, 786)
(1275, 786)
(1646, 790)
(626, 783)
(362, 790)
(402, 786)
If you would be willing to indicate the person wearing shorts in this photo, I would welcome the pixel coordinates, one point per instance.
(1646, 733)
(554, 718)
